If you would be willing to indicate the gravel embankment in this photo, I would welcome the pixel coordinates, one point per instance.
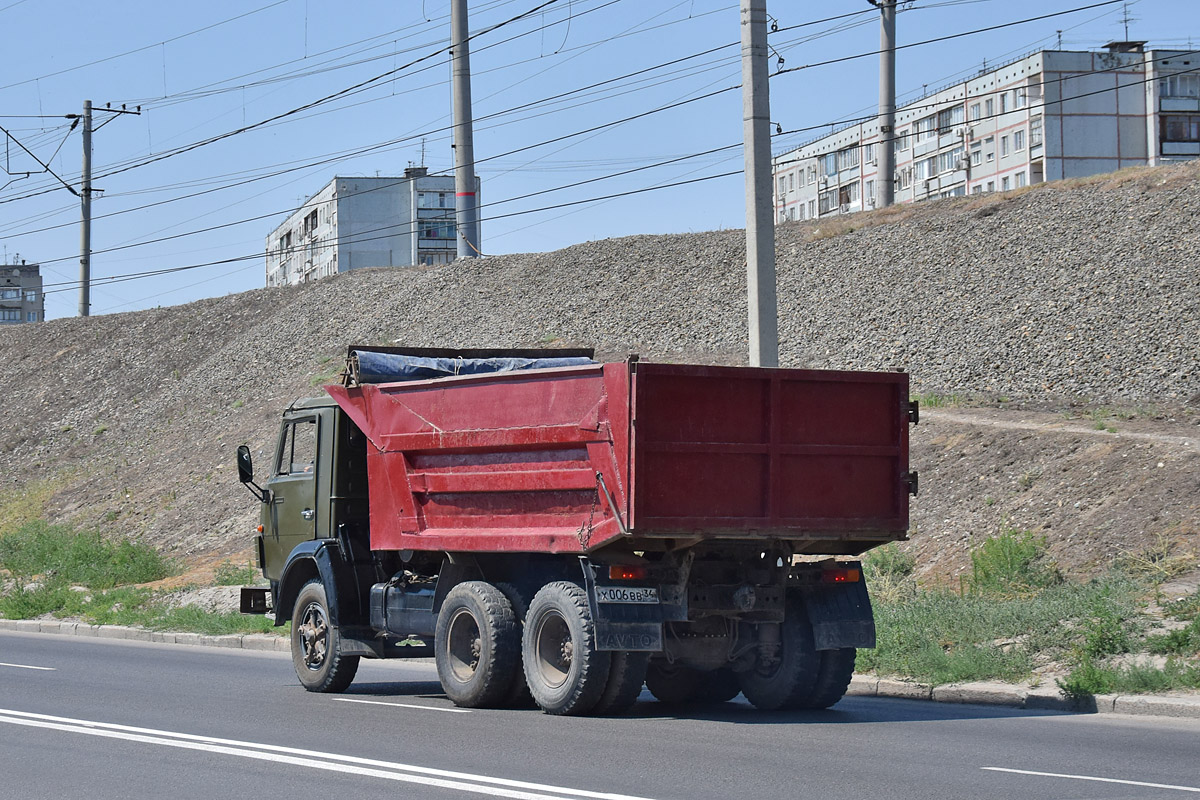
(1088, 292)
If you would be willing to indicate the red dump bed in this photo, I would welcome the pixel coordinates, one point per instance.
(567, 460)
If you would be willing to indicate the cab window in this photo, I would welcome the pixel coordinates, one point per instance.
(298, 453)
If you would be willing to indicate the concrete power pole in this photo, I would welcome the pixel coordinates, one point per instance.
(466, 204)
(85, 205)
(760, 216)
(884, 186)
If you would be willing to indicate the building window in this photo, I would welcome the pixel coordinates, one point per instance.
(1180, 86)
(30, 295)
(1004, 102)
(869, 153)
(976, 111)
(1020, 97)
(10, 315)
(991, 186)
(812, 208)
(989, 145)
(791, 182)
(902, 141)
(848, 194)
(948, 161)
(989, 106)
(1035, 132)
(31, 316)
(870, 189)
(976, 154)
(829, 164)
(812, 175)
(1005, 183)
(1181, 128)
(976, 190)
(1018, 140)
(827, 201)
(947, 118)
(848, 158)
(285, 242)
(10, 294)
(1005, 146)
(926, 128)
(782, 185)
(1020, 179)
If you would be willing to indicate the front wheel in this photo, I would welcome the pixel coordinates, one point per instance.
(565, 673)
(316, 643)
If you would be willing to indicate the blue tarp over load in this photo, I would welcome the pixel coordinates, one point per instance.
(372, 367)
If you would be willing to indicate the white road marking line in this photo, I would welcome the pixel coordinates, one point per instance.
(481, 784)
(27, 666)
(1098, 780)
(402, 705)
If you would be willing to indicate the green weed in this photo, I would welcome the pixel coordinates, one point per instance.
(229, 574)
(59, 554)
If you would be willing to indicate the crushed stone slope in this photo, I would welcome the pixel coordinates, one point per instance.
(1062, 293)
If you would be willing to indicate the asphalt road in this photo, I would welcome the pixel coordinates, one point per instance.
(111, 719)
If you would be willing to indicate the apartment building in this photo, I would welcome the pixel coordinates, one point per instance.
(21, 298)
(1046, 116)
(357, 222)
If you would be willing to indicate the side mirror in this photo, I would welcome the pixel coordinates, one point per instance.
(245, 465)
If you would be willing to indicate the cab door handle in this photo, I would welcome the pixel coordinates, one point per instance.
(308, 513)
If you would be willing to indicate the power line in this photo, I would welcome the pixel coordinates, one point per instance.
(948, 37)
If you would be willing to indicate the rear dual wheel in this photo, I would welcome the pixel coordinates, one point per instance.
(565, 673)
(802, 677)
(477, 645)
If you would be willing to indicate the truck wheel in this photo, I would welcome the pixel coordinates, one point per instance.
(674, 684)
(518, 695)
(476, 645)
(790, 681)
(565, 673)
(833, 678)
(316, 644)
(721, 686)
(625, 679)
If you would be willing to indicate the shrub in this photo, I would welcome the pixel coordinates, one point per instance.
(1013, 563)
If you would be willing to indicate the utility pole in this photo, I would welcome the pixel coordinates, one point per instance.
(884, 186)
(85, 205)
(760, 216)
(466, 205)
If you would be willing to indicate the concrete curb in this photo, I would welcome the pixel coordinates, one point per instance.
(1013, 696)
(981, 693)
(240, 641)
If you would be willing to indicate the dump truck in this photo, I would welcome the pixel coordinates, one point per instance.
(554, 529)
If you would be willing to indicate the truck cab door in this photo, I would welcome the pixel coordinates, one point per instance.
(293, 487)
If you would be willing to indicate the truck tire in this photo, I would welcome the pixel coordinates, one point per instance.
(626, 676)
(721, 686)
(793, 678)
(675, 684)
(518, 695)
(833, 678)
(565, 672)
(316, 643)
(476, 645)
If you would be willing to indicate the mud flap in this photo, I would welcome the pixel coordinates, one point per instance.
(840, 615)
(624, 626)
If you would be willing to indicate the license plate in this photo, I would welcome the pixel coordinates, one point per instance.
(626, 594)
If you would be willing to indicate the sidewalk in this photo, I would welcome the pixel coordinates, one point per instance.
(982, 693)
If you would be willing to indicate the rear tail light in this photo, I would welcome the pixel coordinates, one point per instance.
(624, 572)
(841, 575)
